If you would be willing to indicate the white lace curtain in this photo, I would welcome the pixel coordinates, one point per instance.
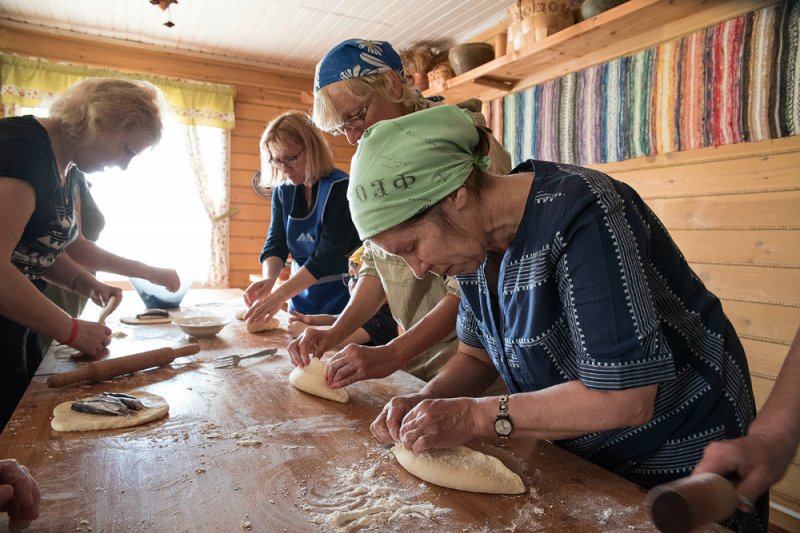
(213, 186)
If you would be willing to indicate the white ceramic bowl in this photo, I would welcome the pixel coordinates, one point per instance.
(200, 326)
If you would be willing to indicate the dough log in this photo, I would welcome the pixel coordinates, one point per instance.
(461, 468)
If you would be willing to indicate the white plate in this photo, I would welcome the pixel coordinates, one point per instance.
(200, 326)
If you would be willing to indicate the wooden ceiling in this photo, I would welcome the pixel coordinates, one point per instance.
(292, 34)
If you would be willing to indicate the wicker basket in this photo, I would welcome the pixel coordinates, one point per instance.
(465, 57)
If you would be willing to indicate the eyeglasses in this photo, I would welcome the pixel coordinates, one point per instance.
(353, 122)
(347, 278)
(288, 161)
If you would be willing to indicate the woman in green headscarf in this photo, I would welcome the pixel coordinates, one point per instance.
(572, 291)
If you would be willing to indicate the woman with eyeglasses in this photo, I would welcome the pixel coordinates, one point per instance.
(310, 220)
(358, 83)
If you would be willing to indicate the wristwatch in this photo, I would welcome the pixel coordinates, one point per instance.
(502, 424)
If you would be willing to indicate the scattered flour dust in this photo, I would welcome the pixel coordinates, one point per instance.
(362, 500)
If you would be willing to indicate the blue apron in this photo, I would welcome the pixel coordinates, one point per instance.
(328, 295)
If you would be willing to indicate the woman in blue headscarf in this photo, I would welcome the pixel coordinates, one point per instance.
(310, 220)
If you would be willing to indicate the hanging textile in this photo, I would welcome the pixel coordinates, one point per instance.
(30, 82)
(737, 81)
(213, 189)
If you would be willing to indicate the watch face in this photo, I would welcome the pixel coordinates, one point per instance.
(502, 426)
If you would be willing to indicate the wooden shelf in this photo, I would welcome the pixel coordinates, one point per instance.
(623, 30)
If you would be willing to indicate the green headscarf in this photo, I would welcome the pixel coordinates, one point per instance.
(405, 165)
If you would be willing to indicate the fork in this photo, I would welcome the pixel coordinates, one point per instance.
(231, 361)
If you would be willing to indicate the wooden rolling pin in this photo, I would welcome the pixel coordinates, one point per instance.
(109, 368)
(690, 502)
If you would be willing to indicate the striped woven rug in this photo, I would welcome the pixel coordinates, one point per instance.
(737, 81)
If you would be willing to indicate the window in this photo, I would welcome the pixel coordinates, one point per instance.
(153, 210)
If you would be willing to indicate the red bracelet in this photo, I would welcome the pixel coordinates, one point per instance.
(73, 333)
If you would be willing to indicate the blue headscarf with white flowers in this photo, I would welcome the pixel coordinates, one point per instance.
(355, 58)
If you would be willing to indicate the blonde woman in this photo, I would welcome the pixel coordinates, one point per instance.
(310, 220)
(94, 124)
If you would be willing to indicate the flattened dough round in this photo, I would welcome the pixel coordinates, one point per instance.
(132, 320)
(65, 419)
(311, 379)
(461, 468)
(257, 327)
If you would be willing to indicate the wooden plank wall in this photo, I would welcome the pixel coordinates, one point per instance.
(262, 93)
(734, 211)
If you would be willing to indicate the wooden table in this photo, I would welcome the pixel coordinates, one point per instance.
(242, 450)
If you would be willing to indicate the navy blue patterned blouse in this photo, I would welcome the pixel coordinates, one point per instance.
(592, 288)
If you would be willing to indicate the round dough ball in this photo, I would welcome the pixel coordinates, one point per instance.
(311, 379)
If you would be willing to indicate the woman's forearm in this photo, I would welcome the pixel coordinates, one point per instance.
(367, 298)
(568, 410)
(435, 326)
(781, 412)
(21, 302)
(464, 375)
(300, 281)
(271, 267)
(562, 411)
(94, 258)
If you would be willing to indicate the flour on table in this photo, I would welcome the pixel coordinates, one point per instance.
(365, 500)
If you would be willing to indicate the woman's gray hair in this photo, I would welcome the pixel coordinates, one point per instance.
(327, 118)
(95, 104)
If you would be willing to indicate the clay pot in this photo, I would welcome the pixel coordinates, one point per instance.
(592, 8)
(465, 57)
(421, 80)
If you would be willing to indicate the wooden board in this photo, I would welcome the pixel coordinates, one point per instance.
(772, 322)
(243, 449)
(242, 446)
(751, 211)
(769, 248)
(768, 285)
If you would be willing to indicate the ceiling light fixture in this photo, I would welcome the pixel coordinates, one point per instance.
(165, 6)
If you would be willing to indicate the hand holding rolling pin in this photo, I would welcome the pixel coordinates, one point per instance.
(760, 459)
